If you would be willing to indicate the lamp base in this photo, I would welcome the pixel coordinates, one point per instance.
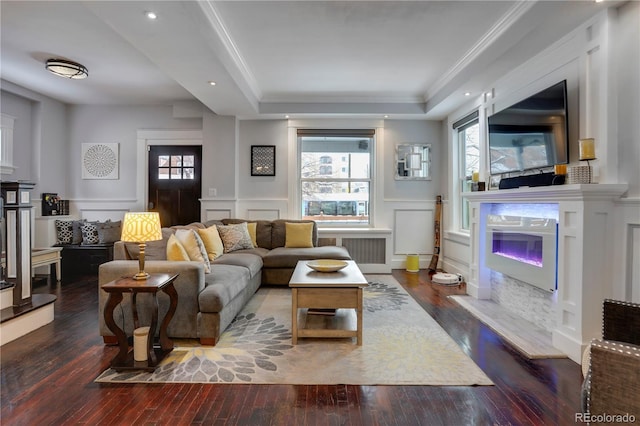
(141, 276)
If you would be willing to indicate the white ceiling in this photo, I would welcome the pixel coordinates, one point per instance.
(270, 58)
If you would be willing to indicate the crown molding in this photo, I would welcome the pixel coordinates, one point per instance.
(215, 19)
(489, 38)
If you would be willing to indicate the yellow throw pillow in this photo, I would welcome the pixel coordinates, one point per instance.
(251, 227)
(194, 247)
(298, 235)
(175, 251)
(212, 242)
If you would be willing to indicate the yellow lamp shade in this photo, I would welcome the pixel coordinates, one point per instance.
(140, 227)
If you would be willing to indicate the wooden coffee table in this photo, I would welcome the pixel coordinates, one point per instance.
(326, 290)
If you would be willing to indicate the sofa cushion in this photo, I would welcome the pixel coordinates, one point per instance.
(109, 232)
(90, 233)
(175, 250)
(194, 247)
(281, 257)
(251, 227)
(263, 231)
(235, 237)
(246, 259)
(154, 250)
(222, 285)
(212, 242)
(279, 232)
(298, 235)
(64, 231)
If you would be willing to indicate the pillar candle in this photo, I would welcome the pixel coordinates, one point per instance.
(560, 169)
(587, 149)
(475, 177)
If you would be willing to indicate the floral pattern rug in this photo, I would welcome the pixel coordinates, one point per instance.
(402, 345)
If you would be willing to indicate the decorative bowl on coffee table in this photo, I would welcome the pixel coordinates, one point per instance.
(326, 265)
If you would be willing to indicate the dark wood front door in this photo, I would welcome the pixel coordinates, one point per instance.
(175, 183)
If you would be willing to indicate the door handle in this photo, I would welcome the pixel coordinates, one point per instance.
(150, 205)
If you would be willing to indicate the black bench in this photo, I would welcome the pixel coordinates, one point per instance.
(82, 261)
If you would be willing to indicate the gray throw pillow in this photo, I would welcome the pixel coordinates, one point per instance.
(109, 232)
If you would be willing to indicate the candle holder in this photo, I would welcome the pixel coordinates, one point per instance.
(587, 151)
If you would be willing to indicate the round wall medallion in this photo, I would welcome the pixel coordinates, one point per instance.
(100, 160)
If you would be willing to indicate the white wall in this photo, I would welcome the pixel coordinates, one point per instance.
(627, 69)
(263, 132)
(113, 124)
(219, 156)
(412, 131)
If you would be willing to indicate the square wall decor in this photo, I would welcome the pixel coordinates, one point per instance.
(100, 160)
(263, 160)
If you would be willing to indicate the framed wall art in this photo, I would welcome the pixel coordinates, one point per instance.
(100, 160)
(263, 160)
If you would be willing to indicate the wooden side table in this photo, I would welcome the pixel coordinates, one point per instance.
(155, 353)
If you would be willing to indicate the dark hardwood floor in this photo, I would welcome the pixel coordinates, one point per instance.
(47, 379)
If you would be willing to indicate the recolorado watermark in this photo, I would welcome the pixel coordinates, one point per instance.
(604, 418)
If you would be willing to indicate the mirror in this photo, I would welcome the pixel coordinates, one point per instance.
(413, 162)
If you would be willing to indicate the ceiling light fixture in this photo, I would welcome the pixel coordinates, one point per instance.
(467, 93)
(151, 15)
(67, 69)
(212, 83)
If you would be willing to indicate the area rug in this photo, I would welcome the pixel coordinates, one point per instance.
(402, 345)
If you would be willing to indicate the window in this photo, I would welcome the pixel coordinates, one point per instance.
(176, 167)
(335, 175)
(467, 131)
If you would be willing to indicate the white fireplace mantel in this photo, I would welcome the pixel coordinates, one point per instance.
(550, 194)
(585, 242)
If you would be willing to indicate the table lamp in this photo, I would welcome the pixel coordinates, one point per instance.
(140, 227)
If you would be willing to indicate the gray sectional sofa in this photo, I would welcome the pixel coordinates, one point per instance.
(208, 302)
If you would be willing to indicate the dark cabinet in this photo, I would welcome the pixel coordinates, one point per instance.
(82, 261)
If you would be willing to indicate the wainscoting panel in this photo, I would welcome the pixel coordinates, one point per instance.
(217, 209)
(263, 209)
(413, 231)
(217, 214)
(263, 214)
(633, 267)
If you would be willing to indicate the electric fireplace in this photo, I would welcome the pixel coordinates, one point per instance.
(524, 248)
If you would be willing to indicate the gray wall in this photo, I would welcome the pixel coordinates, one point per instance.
(40, 138)
(114, 124)
(411, 131)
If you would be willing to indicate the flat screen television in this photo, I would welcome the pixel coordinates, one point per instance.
(531, 134)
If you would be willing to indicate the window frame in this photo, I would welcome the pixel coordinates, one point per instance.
(370, 180)
(462, 181)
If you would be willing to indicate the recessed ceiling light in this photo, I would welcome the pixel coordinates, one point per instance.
(386, 116)
(599, 1)
(151, 15)
(467, 93)
(212, 83)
